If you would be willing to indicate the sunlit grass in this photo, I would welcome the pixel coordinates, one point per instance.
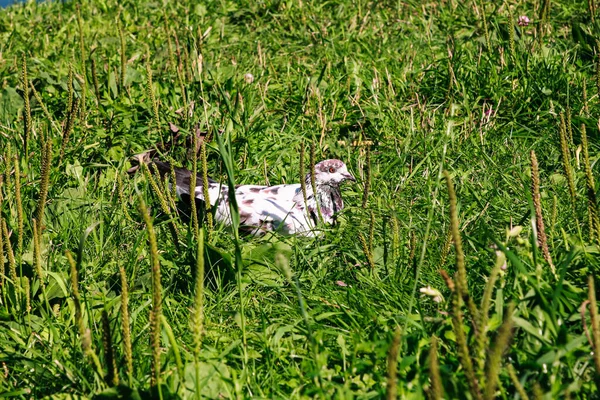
(401, 93)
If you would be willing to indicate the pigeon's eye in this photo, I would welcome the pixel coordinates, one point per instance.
(331, 169)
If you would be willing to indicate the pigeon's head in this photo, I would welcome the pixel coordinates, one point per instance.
(332, 172)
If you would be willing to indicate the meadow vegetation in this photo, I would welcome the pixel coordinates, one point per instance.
(462, 266)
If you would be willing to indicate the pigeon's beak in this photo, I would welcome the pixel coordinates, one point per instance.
(349, 176)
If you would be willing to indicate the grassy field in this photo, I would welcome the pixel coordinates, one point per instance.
(460, 267)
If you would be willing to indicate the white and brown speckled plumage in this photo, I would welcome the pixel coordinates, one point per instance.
(278, 208)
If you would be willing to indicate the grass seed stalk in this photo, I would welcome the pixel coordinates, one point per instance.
(462, 286)
(27, 121)
(125, 326)
(392, 365)
(537, 204)
(156, 312)
(593, 214)
(436, 391)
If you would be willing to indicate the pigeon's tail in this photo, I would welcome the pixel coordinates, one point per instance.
(182, 176)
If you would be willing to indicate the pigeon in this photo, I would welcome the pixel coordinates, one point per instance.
(279, 208)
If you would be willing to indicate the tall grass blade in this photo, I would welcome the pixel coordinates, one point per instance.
(44, 183)
(226, 156)
(123, 58)
(84, 333)
(174, 346)
(83, 58)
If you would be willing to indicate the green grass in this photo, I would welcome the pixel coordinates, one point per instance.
(429, 86)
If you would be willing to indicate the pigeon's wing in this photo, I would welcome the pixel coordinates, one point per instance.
(282, 192)
(273, 208)
(278, 192)
(245, 190)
